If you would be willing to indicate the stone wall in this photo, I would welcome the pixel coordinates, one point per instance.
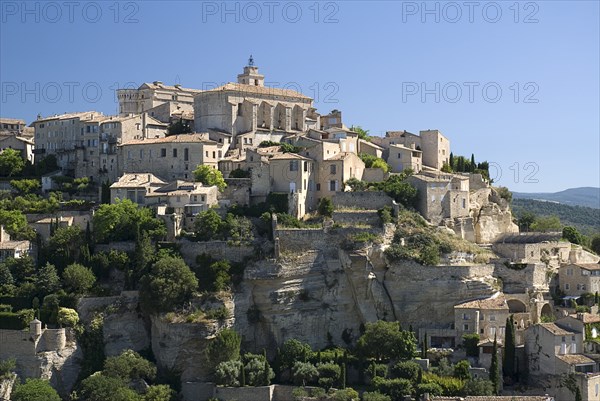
(535, 276)
(197, 391)
(357, 217)
(371, 200)
(264, 393)
(373, 175)
(216, 249)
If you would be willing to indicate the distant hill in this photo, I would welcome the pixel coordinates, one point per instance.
(585, 219)
(583, 196)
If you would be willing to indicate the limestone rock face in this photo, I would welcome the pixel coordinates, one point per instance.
(491, 215)
(125, 327)
(61, 367)
(180, 347)
(6, 387)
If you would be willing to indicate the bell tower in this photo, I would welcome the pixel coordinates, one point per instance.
(251, 75)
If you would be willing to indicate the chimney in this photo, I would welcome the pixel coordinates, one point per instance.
(580, 316)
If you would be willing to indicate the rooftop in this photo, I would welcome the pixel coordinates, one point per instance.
(496, 398)
(289, 156)
(182, 138)
(554, 329)
(529, 238)
(137, 180)
(11, 121)
(587, 266)
(257, 90)
(160, 85)
(496, 301)
(575, 359)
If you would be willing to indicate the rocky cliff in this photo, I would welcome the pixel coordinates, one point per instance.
(491, 215)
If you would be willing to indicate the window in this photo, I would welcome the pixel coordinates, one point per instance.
(318, 186)
(186, 154)
(174, 152)
(333, 169)
(141, 153)
(465, 327)
(492, 318)
(163, 152)
(399, 155)
(333, 185)
(466, 316)
(293, 165)
(305, 166)
(464, 203)
(214, 154)
(567, 286)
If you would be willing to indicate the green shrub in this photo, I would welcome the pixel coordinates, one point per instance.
(470, 342)
(347, 394)
(375, 396)
(395, 388)
(406, 370)
(325, 207)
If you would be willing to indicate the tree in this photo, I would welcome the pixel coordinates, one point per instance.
(395, 388)
(303, 373)
(179, 127)
(122, 220)
(433, 389)
(209, 176)
(526, 220)
(325, 207)
(26, 186)
(7, 282)
(15, 224)
(386, 340)
(67, 317)
(34, 390)
(461, 370)
(356, 185)
(47, 280)
(478, 387)
(406, 370)
(257, 370)
(159, 392)
(11, 162)
(78, 278)
(294, 351)
(129, 365)
(470, 343)
(546, 223)
(362, 134)
(208, 226)
(578, 394)
(508, 364)
(99, 387)
(225, 347)
(169, 284)
(64, 246)
(494, 369)
(400, 190)
(595, 245)
(7, 367)
(228, 373)
(329, 374)
(572, 235)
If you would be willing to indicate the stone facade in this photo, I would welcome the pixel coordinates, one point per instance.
(577, 279)
(484, 317)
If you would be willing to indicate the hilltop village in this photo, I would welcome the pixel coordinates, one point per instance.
(235, 244)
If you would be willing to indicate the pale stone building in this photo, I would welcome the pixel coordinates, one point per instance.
(149, 96)
(441, 196)
(13, 127)
(173, 157)
(11, 248)
(533, 248)
(249, 107)
(484, 317)
(135, 187)
(579, 278)
(24, 145)
(294, 174)
(401, 158)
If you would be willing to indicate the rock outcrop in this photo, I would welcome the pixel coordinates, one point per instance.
(6, 387)
(491, 215)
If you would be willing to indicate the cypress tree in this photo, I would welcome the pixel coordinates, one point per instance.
(494, 369)
(424, 347)
(451, 161)
(578, 394)
(473, 165)
(343, 375)
(508, 368)
(243, 378)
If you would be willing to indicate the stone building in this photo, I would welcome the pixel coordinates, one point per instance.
(441, 196)
(135, 187)
(402, 158)
(484, 317)
(248, 106)
(294, 174)
(173, 157)
(14, 127)
(533, 248)
(149, 96)
(577, 279)
(22, 144)
(10, 248)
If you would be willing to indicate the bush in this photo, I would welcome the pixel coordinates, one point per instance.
(129, 365)
(34, 390)
(385, 214)
(7, 366)
(461, 370)
(406, 370)
(329, 374)
(78, 279)
(304, 373)
(325, 207)
(257, 370)
(67, 317)
(228, 373)
(224, 347)
(470, 342)
(347, 394)
(432, 389)
(375, 396)
(376, 370)
(395, 388)
(478, 387)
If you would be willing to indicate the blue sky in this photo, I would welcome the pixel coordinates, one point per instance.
(515, 83)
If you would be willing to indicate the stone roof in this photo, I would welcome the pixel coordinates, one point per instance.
(575, 359)
(67, 116)
(587, 266)
(586, 317)
(289, 156)
(340, 156)
(554, 329)
(11, 121)
(14, 244)
(182, 138)
(495, 302)
(160, 85)
(257, 90)
(395, 145)
(134, 180)
(528, 238)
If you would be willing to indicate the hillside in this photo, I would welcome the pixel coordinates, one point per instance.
(582, 196)
(585, 219)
